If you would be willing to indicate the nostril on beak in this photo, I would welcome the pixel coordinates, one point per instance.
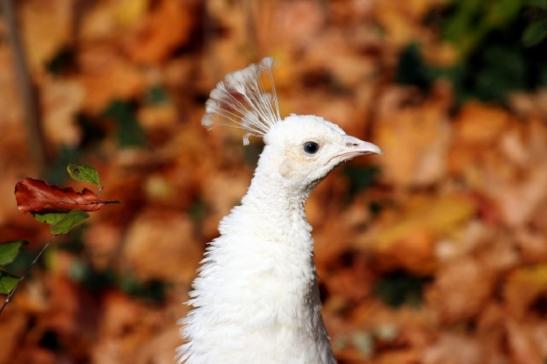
(353, 144)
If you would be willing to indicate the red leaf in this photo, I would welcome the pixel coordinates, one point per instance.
(33, 195)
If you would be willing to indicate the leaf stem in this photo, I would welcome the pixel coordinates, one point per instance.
(110, 202)
(10, 295)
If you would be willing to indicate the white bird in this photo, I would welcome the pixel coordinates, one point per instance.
(256, 299)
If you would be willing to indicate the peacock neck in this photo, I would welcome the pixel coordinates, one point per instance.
(278, 208)
(259, 275)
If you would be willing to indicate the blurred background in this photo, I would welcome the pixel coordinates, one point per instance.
(435, 252)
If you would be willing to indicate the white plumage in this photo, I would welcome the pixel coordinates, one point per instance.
(256, 298)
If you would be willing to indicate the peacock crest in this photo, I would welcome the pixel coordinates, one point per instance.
(241, 100)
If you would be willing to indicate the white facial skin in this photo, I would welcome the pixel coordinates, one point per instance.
(303, 149)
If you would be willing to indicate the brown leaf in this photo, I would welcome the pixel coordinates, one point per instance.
(523, 347)
(46, 27)
(106, 75)
(165, 28)
(461, 289)
(425, 132)
(33, 195)
(481, 124)
(62, 99)
(160, 245)
(454, 349)
(523, 286)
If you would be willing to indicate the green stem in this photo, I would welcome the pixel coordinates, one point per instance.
(10, 295)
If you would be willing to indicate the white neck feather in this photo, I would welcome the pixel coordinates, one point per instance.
(276, 211)
(256, 297)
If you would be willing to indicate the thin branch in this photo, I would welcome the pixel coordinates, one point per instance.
(250, 25)
(34, 261)
(26, 89)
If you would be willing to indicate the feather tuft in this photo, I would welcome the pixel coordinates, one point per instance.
(241, 101)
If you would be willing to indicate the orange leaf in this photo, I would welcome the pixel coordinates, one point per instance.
(33, 195)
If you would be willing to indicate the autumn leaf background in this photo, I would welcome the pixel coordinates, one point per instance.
(434, 252)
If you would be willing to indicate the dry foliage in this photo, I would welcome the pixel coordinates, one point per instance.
(435, 252)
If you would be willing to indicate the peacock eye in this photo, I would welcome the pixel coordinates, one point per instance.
(311, 147)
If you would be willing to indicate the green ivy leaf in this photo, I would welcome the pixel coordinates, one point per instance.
(504, 71)
(361, 177)
(458, 25)
(50, 218)
(83, 173)
(56, 172)
(157, 95)
(9, 251)
(129, 132)
(69, 222)
(61, 222)
(501, 12)
(535, 33)
(400, 288)
(8, 282)
(412, 69)
(538, 3)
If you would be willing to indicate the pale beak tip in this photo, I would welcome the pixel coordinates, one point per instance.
(361, 147)
(377, 150)
(372, 148)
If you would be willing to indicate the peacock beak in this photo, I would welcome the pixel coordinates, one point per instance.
(354, 147)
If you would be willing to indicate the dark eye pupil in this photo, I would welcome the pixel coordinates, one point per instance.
(311, 147)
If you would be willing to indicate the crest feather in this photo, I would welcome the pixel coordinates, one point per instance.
(241, 101)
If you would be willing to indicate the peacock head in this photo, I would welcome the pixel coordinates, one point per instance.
(299, 149)
(303, 149)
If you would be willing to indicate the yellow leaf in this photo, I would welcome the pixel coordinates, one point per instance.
(46, 28)
(437, 216)
(129, 12)
(523, 286)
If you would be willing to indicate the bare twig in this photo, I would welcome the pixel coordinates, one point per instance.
(10, 295)
(27, 91)
(250, 25)
(258, 25)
